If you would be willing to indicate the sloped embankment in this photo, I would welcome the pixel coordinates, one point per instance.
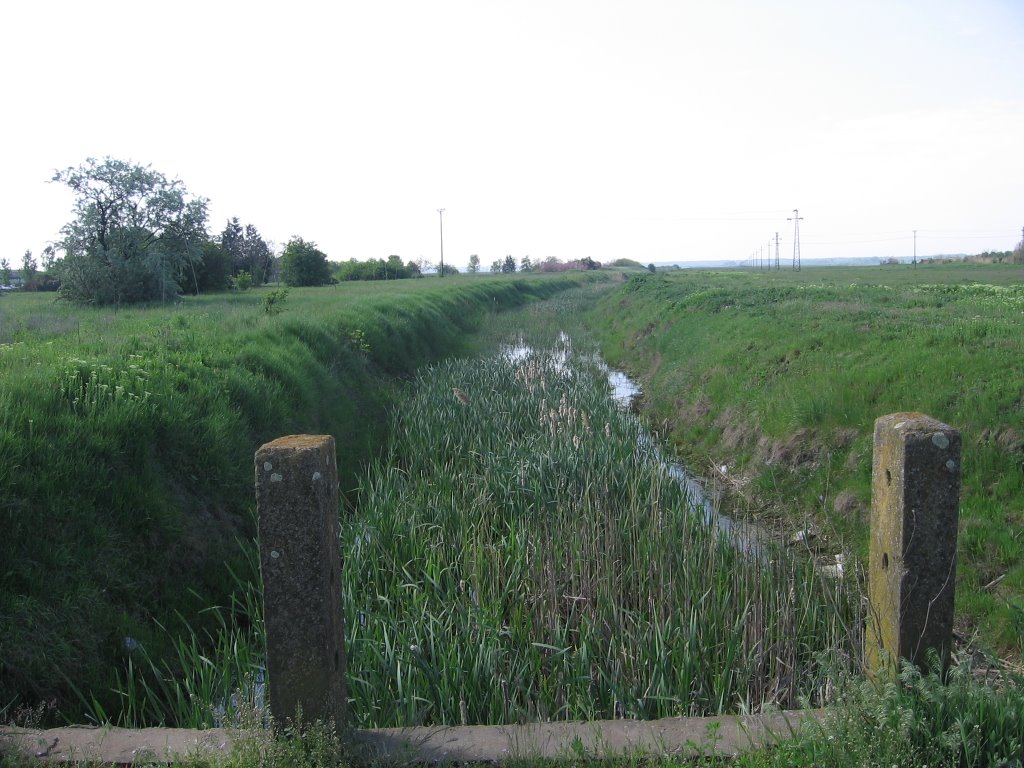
(126, 445)
(773, 381)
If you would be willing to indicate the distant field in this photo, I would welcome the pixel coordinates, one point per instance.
(777, 377)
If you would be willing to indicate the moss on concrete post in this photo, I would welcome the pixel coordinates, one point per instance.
(915, 503)
(297, 503)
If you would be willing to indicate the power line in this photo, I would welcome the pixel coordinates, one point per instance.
(440, 216)
(796, 218)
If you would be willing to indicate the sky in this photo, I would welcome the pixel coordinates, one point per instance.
(655, 130)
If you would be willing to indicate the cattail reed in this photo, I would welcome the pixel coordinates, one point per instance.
(547, 569)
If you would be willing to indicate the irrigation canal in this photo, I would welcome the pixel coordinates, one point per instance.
(746, 537)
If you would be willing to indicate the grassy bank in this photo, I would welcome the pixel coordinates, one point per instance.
(126, 445)
(778, 377)
(502, 532)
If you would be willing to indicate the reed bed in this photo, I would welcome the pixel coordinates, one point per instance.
(522, 554)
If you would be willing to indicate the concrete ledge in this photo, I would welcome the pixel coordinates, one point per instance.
(726, 736)
(114, 745)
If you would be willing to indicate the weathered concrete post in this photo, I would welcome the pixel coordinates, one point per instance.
(915, 503)
(297, 503)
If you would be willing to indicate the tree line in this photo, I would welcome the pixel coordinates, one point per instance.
(137, 236)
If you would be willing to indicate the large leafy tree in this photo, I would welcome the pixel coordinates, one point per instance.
(136, 235)
(302, 263)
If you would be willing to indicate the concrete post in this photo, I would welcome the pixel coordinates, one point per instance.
(915, 504)
(297, 503)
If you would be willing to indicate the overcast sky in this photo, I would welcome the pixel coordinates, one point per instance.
(654, 130)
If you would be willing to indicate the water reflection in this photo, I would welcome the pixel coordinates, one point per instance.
(626, 393)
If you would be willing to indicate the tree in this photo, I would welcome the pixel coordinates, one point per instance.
(651, 268)
(525, 265)
(5, 272)
(232, 241)
(448, 269)
(496, 266)
(303, 263)
(214, 272)
(28, 271)
(551, 264)
(509, 264)
(49, 258)
(393, 268)
(257, 255)
(249, 252)
(474, 264)
(135, 236)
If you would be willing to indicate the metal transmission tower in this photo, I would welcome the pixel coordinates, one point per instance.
(776, 250)
(440, 216)
(796, 219)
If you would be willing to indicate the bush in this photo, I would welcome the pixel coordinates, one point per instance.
(303, 263)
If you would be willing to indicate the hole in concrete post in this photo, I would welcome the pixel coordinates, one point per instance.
(335, 661)
(914, 521)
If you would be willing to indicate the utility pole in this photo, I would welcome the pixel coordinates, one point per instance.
(796, 218)
(776, 251)
(440, 216)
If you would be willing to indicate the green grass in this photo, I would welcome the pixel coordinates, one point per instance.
(517, 557)
(453, 502)
(126, 449)
(779, 376)
(918, 719)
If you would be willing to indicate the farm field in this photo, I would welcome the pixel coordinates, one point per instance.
(769, 383)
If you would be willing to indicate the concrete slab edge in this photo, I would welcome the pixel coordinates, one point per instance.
(726, 735)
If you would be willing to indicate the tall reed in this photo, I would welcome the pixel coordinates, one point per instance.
(521, 554)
